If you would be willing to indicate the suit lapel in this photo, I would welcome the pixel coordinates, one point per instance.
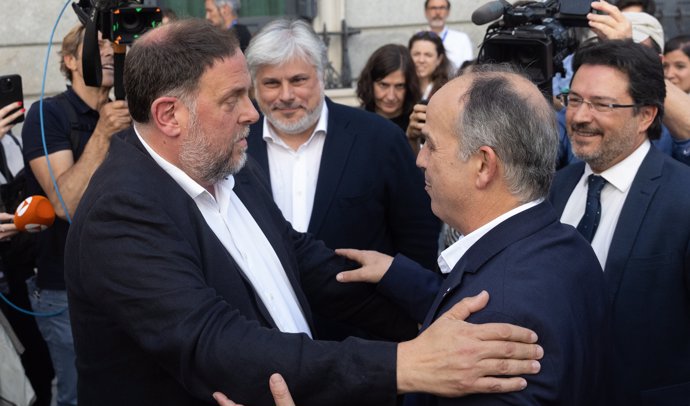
(642, 191)
(255, 204)
(257, 146)
(336, 151)
(566, 180)
(496, 240)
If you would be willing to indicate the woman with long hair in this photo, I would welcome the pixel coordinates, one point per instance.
(431, 63)
(388, 84)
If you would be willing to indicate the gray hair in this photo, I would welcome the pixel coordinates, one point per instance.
(283, 39)
(521, 128)
(234, 4)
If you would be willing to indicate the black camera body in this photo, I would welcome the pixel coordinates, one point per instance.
(535, 37)
(128, 21)
(121, 22)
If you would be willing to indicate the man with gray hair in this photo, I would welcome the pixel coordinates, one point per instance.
(489, 160)
(184, 278)
(223, 14)
(345, 175)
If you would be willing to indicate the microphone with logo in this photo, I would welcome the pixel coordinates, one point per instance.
(34, 214)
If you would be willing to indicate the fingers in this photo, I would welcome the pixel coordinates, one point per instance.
(6, 216)
(114, 116)
(280, 391)
(222, 400)
(6, 118)
(351, 254)
(356, 275)
(10, 107)
(502, 331)
(374, 266)
(467, 306)
(500, 385)
(611, 24)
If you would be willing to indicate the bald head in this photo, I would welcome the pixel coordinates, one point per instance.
(494, 106)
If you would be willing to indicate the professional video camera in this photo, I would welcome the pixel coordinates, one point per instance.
(119, 21)
(535, 36)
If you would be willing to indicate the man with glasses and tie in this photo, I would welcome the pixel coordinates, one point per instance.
(457, 44)
(632, 203)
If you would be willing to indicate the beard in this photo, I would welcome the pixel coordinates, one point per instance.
(612, 145)
(296, 127)
(206, 162)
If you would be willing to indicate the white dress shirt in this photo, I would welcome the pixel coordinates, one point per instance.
(619, 179)
(294, 173)
(241, 236)
(452, 255)
(458, 47)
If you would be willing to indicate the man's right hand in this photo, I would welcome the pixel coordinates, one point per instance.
(113, 117)
(453, 358)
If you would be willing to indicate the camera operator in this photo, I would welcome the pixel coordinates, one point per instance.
(79, 124)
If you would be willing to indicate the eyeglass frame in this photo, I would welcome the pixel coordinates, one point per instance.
(596, 106)
(438, 8)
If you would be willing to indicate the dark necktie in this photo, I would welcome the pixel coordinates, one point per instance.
(590, 221)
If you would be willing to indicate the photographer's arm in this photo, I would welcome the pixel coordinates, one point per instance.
(676, 116)
(73, 177)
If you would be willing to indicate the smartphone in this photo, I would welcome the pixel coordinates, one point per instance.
(10, 92)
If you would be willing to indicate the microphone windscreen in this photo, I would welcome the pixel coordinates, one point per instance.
(488, 12)
(34, 214)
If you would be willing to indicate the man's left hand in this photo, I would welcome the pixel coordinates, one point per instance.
(374, 265)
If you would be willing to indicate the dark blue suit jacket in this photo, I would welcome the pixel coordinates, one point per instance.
(162, 314)
(540, 274)
(369, 195)
(647, 275)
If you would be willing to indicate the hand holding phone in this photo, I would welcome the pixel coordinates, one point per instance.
(11, 102)
(608, 22)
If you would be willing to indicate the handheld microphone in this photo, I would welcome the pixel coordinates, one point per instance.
(489, 12)
(34, 214)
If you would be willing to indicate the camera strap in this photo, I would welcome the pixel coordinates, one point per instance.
(91, 54)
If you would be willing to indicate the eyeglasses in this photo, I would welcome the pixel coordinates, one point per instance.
(437, 8)
(575, 102)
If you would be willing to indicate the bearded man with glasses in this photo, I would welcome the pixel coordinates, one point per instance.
(631, 202)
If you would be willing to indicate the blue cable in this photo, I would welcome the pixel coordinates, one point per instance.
(50, 168)
(30, 313)
(40, 113)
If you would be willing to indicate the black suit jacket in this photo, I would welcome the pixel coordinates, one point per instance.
(540, 274)
(369, 195)
(162, 314)
(647, 276)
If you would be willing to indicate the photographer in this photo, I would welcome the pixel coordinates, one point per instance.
(79, 124)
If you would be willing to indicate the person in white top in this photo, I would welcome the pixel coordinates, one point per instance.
(458, 45)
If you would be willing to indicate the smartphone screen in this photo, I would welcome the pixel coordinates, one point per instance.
(10, 92)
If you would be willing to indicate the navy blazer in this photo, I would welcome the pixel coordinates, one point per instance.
(162, 314)
(369, 195)
(647, 276)
(540, 274)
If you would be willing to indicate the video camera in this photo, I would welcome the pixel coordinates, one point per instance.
(121, 22)
(532, 35)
